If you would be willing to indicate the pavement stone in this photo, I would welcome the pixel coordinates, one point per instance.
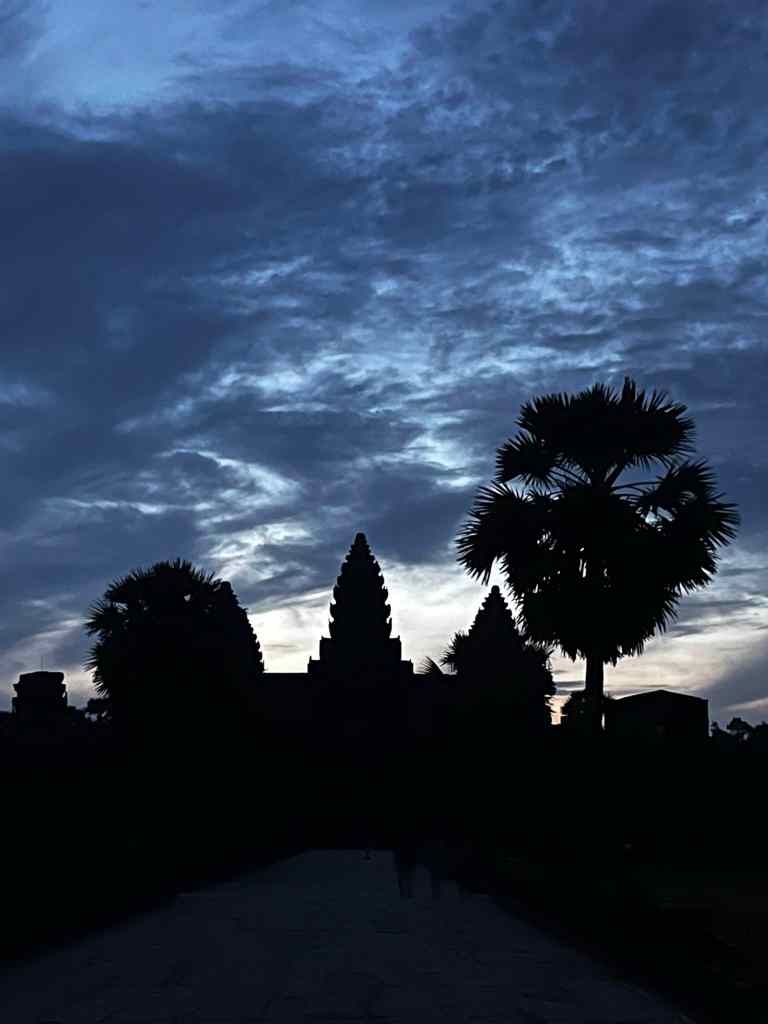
(323, 937)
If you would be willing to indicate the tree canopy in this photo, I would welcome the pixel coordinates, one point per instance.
(174, 648)
(596, 560)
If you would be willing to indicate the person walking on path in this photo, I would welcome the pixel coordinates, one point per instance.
(369, 840)
(436, 859)
(406, 856)
(458, 852)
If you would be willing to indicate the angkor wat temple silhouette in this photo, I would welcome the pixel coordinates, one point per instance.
(360, 694)
(360, 690)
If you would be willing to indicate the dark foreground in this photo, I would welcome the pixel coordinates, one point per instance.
(325, 936)
(619, 856)
(698, 939)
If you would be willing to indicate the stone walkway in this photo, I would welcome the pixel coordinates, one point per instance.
(324, 936)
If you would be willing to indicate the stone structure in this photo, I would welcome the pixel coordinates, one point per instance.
(360, 679)
(357, 694)
(360, 646)
(6, 724)
(659, 717)
(41, 698)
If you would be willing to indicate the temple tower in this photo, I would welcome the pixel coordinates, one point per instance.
(360, 681)
(494, 634)
(360, 625)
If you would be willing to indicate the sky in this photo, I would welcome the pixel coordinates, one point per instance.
(277, 272)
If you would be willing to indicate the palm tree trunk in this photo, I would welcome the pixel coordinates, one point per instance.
(594, 692)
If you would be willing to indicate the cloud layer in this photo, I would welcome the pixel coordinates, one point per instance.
(283, 272)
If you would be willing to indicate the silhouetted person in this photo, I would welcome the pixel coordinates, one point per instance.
(406, 858)
(370, 826)
(370, 842)
(458, 852)
(435, 854)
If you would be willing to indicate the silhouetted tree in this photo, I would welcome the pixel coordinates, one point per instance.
(740, 730)
(431, 668)
(99, 708)
(740, 735)
(174, 640)
(598, 566)
(458, 656)
(574, 714)
(758, 740)
(721, 739)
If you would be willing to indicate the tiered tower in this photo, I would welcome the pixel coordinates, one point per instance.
(360, 645)
(360, 682)
(494, 637)
(41, 697)
(502, 666)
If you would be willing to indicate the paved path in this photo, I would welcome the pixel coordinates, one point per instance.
(324, 936)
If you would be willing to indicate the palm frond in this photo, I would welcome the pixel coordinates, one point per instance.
(602, 432)
(526, 458)
(455, 656)
(92, 661)
(648, 429)
(499, 517)
(430, 668)
(686, 483)
(104, 616)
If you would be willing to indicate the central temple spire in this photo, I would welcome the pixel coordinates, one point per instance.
(360, 615)
(360, 626)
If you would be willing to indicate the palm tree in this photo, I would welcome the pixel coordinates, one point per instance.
(431, 669)
(598, 566)
(457, 657)
(173, 644)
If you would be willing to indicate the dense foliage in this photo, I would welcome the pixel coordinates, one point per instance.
(596, 565)
(175, 652)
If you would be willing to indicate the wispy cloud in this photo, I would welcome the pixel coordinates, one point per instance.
(280, 272)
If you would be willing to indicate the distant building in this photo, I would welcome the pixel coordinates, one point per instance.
(41, 712)
(659, 717)
(41, 698)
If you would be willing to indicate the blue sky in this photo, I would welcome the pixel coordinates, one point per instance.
(287, 271)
